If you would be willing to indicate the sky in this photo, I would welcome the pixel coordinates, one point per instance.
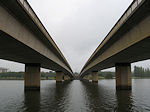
(77, 27)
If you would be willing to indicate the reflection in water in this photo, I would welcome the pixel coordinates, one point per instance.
(55, 97)
(75, 96)
(124, 101)
(77, 101)
(100, 99)
(32, 101)
(61, 97)
(92, 95)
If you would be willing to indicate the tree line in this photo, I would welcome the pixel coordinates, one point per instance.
(137, 72)
(20, 75)
(141, 72)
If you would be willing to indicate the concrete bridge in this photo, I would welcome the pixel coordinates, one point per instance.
(127, 42)
(24, 39)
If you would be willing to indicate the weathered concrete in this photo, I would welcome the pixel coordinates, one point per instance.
(59, 76)
(123, 76)
(32, 77)
(94, 77)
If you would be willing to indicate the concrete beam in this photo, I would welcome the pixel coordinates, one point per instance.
(59, 76)
(32, 76)
(24, 34)
(127, 43)
(94, 77)
(123, 76)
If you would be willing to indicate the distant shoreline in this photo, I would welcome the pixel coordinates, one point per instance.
(20, 76)
(53, 78)
(16, 78)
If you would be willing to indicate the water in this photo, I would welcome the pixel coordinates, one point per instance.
(75, 96)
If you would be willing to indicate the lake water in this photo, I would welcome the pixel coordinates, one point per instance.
(75, 96)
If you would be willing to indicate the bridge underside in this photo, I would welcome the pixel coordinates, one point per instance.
(137, 52)
(130, 43)
(24, 39)
(13, 50)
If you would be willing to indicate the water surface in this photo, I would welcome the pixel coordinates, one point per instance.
(75, 96)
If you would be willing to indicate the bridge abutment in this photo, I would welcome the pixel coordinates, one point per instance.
(123, 76)
(94, 77)
(32, 76)
(59, 76)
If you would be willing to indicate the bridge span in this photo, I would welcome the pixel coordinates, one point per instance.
(127, 42)
(24, 39)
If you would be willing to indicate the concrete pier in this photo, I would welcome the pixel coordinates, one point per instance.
(32, 76)
(123, 76)
(59, 76)
(94, 77)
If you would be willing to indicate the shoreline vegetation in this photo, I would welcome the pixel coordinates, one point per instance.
(138, 73)
(53, 78)
(16, 78)
(20, 76)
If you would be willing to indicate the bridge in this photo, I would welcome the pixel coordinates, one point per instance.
(24, 39)
(127, 42)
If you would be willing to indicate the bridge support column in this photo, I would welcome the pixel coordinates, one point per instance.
(94, 77)
(123, 76)
(32, 76)
(59, 76)
(66, 78)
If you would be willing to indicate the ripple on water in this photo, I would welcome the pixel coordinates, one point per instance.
(75, 96)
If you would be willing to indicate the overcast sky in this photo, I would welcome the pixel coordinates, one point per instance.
(77, 27)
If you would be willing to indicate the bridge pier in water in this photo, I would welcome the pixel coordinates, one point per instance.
(59, 76)
(32, 76)
(123, 76)
(94, 77)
